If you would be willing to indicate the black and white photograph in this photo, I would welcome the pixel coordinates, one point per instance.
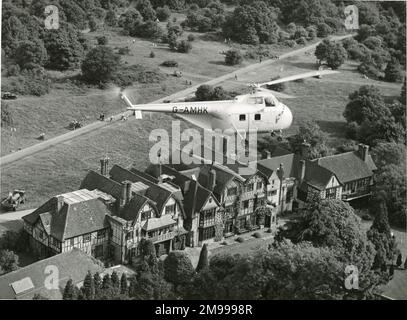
(195, 151)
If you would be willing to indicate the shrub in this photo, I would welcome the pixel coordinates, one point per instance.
(240, 239)
(170, 63)
(102, 40)
(191, 37)
(323, 30)
(312, 32)
(152, 54)
(100, 64)
(184, 46)
(31, 52)
(28, 83)
(257, 235)
(301, 41)
(126, 76)
(124, 50)
(6, 115)
(289, 43)
(178, 268)
(163, 13)
(233, 57)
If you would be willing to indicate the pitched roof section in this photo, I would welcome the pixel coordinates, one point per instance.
(71, 214)
(95, 180)
(317, 176)
(132, 209)
(158, 193)
(73, 264)
(290, 164)
(348, 166)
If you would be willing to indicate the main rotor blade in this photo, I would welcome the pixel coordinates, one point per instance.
(276, 93)
(299, 76)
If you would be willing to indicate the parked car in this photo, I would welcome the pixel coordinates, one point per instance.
(8, 96)
(13, 200)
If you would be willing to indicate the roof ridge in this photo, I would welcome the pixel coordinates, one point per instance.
(334, 155)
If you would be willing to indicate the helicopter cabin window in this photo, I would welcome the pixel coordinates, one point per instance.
(257, 116)
(270, 102)
(242, 117)
(255, 100)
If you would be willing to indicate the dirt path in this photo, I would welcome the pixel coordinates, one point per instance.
(29, 151)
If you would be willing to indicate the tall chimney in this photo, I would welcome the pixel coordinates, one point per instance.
(212, 179)
(59, 203)
(305, 150)
(123, 195)
(128, 191)
(302, 170)
(104, 166)
(268, 154)
(363, 151)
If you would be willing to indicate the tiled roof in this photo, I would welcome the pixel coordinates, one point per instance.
(132, 209)
(317, 176)
(290, 164)
(348, 166)
(156, 223)
(71, 265)
(158, 194)
(95, 180)
(74, 217)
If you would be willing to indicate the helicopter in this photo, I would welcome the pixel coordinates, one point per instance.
(258, 111)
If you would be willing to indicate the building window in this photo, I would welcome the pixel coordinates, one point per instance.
(86, 238)
(242, 117)
(41, 235)
(259, 185)
(170, 209)
(206, 233)
(245, 204)
(289, 194)
(257, 116)
(232, 191)
(250, 187)
(330, 193)
(129, 235)
(207, 218)
(72, 242)
(272, 193)
(145, 215)
(101, 234)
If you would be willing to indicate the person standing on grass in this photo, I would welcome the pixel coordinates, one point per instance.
(235, 76)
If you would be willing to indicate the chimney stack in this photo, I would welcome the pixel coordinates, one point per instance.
(302, 170)
(59, 203)
(268, 154)
(363, 151)
(128, 191)
(212, 179)
(305, 150)
(104, 166)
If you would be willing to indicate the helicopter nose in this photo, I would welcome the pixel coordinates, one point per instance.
(288, 118)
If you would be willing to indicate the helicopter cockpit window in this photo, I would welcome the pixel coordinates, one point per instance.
(255, 100)
(270, 102)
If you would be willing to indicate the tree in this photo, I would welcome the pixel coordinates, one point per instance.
(403, 92)
(150, 29)
(130, 21)
(399, 261)
(163, 13)
(323, 30)
(115, 282)
(102, 40)
(252, 24)
(233, 57)
(203, 262)
(133, 287)
(332, 52)
(111, 18)
(146, 10)
(184, 46)
(69, 291)
(333, 223)
(147, 248)
(13, 31)
(100, 64)
(64, 48)
(88, 288)
(178, 268)
(97, 282)
(393, 73)
(311, 133)
(8, 261)
(124, 287)
(31, 52)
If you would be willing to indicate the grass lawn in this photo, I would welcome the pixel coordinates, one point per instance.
(61, 168)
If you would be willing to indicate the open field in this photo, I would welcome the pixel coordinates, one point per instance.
(52, 113)
(61, 168)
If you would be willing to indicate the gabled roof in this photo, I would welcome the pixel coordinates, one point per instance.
(348, 166)
(132, 209)
(290, 164)
(95, 180)
(156, 223)
(78, 213)
(157, 193)
(317, 176)
(31, 279)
